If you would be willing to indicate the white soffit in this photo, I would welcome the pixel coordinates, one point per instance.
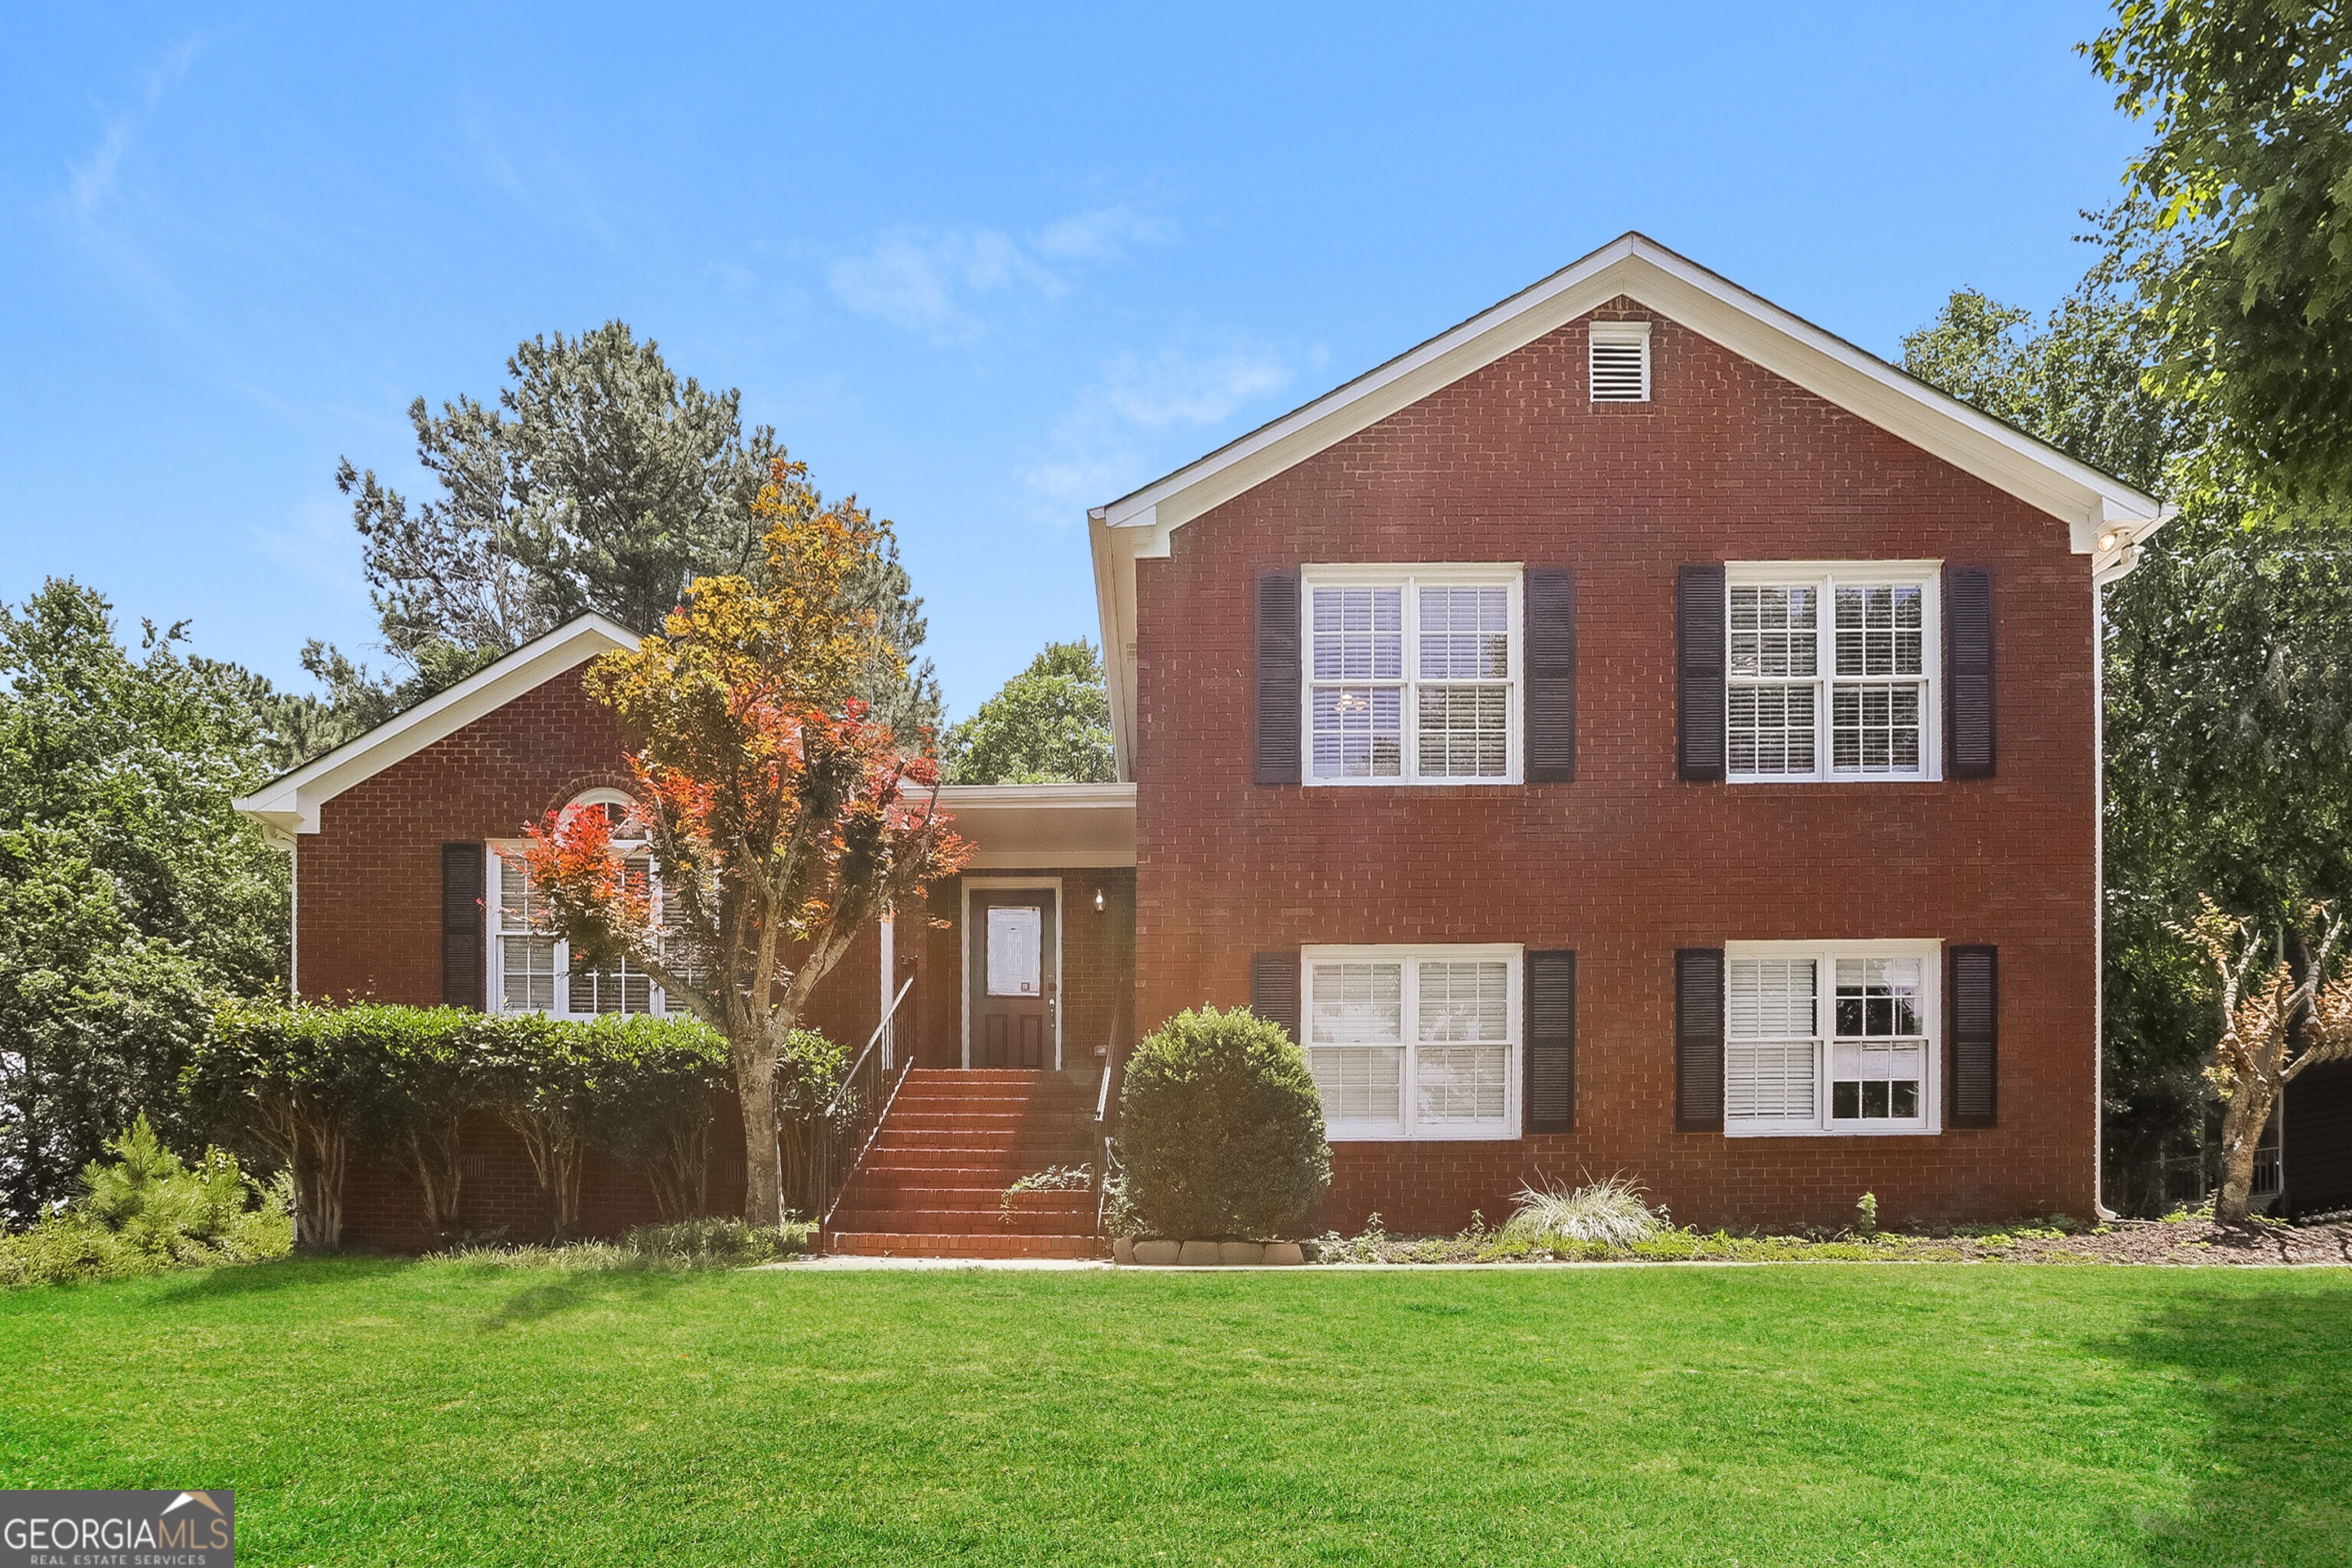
(288, 806)
(1043, 826)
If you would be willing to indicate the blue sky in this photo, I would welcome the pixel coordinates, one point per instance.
(984, 272)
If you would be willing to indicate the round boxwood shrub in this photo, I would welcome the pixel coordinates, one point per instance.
(1220, 1129)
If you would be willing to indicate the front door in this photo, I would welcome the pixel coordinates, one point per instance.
(1015, 1010)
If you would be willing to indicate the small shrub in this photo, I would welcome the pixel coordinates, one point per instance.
(1865, 1213)
(148, 1211)
(1118, 1216)
(813, 1104)
(1369, 1245)
(1221, 1130)
(1052, 1179)
(1610, 1212)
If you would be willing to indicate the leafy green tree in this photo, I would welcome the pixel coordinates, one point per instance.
(296, 726)
(2250, 168)
(600, 480)
(2228, 683)
(131, 891)
(1049, 724)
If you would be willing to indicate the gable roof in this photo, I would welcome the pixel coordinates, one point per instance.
(2106, 518)
(289, 805)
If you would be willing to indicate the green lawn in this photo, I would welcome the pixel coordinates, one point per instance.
(379, 1411)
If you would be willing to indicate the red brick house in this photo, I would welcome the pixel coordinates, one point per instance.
(1634, 730)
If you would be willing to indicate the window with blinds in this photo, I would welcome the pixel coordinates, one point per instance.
(1828, 1039)
(1831, 670)
(1413, 1043)
(533, 970)
(1412, 675)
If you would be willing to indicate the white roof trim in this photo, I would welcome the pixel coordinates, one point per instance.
(288, 805)
(1687, 293)
(2106, 518)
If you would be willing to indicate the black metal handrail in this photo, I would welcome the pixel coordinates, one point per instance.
(864, 1092)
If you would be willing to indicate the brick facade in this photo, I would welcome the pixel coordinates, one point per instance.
(1511, 463)
(369, 916)
(1624, 865)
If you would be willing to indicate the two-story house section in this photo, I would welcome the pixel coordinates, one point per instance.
(1635, 732)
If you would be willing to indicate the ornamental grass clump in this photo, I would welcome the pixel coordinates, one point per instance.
(1220, 1131)
(1610, 1213)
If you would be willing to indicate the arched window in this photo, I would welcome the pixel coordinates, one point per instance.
(534, 971)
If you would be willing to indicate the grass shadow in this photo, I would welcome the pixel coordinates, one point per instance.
(230, 1281)
(560, 1292)
(2272, 1475)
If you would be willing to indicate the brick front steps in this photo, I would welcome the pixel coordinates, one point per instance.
(932, 1185)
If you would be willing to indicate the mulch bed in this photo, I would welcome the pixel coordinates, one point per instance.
(2191, 1241)
(2194, 1241)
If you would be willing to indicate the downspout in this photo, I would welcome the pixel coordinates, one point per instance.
(2099, 900)
(294, 919)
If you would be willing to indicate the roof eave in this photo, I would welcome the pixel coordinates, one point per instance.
(1746, 323)
(289, 805)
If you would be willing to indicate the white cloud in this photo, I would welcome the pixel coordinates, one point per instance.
(1102, 235)
(106, 211)
(1123, 428)
(89, 181)
(942, 281)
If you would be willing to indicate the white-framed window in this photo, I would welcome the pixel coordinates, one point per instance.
(1411, 674)
(1833, 669)
(533, 972)
(1617, 362)
(1413, 1042)
(1831, 1038)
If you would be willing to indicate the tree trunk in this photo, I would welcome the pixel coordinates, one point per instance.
(432, 1157)
(2243, 1125)
(318, 1189)
(755, 1087)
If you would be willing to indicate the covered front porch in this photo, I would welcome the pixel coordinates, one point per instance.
(998, 1006)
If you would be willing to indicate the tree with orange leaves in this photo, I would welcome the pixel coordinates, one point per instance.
(782, 818)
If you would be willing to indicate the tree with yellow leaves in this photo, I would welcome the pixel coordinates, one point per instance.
(781, 818)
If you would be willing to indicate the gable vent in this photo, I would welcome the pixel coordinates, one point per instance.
(1619, 361)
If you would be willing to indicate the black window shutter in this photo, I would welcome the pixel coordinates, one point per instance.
(1274, 988)
(1550, 1095)
(1277, 678)
(1699, 674)
(1976, 1035)
(463, 970)
(1967, 671)
(1698, 1039)
(1551, 676)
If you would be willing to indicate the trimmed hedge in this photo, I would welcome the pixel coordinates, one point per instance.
(1221, 1130)
(303, 1085)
